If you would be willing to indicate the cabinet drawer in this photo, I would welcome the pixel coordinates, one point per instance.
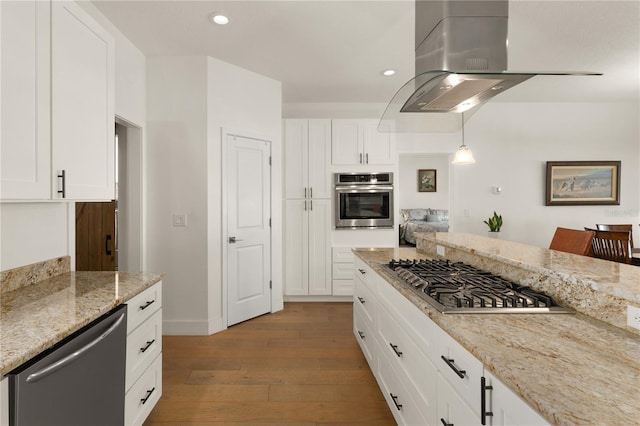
(400, 401)
(365, 273)
(144, 394)
(364, 299)
(364, 336)
(452, 410)
(467, 386)
(342, 271)
(342, 255)
(143, 345)
(143, 305)
(408, 360)
(342, 287)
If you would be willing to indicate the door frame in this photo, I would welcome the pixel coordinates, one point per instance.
(225, 133)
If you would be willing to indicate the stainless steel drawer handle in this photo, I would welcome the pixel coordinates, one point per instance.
(460, 373)
(395, 349)
(395, 401)
(146, 398)
(361, 300)
(146, 305)
(149, 343)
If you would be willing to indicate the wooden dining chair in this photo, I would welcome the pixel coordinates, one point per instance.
(617, 227)
(611, 245)
(572, 241)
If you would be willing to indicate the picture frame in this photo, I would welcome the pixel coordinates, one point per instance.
(582, 183)
(427, 180)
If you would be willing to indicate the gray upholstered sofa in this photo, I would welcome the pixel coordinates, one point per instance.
(422, 220)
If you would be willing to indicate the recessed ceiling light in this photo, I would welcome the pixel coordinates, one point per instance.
(388, 73)
(218, 18)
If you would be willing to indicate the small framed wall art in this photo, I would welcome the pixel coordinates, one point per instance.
(581, 183)
(427, 180)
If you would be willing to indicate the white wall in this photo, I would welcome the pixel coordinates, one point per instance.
(407, 183)
(190, 101)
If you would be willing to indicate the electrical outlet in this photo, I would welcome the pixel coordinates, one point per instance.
(179, 220)
(633, 317)
(440, 250)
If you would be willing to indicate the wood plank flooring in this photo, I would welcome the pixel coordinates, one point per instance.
(300, 366)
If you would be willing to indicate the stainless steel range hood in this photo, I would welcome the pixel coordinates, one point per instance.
(461, 62)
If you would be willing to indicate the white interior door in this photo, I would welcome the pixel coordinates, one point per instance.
(248, 229)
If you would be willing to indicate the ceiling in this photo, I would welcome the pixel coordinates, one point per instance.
(335, 51)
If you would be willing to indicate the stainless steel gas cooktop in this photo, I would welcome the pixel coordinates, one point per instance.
(460, 288)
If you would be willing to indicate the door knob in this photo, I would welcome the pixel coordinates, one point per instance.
(233, 240)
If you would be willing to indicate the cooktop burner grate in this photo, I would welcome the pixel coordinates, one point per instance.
(458, 287)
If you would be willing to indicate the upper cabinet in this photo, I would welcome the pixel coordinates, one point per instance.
(25, 139)
(307, 148)
(57, 114)
(359, 142)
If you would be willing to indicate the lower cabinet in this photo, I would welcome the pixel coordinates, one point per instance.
(342, 271)
(4, 402)
(144, 355)
(426, 376)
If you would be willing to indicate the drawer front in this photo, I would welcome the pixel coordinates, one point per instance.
(143, 345)
(406, 358)
(366, 274)
(143, 305)
(364, 336)
(402, 405)
(363, 298)
(342, 255)
(452, 410)
(342, 271)
(144, 394)
(342, 287)
(455, 357)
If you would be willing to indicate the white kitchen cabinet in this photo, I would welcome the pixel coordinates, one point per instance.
(452, 409)
(359, 142)
(25, 140)
(505, 408)
(82, 115)
(143, 376)
(307, 247)
(342, 271)
(57, 115)
(307, 150)
(4, 402)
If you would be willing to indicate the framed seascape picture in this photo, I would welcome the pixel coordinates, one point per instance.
(582, 183)
(427, 180)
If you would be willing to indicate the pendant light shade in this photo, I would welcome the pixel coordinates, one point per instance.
(463, 154)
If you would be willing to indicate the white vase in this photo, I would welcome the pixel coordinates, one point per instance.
(494, 234)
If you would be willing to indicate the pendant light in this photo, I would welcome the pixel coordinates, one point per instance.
(463, 154)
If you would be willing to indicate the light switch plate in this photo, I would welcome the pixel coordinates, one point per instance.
(440, 250)
(179, 220)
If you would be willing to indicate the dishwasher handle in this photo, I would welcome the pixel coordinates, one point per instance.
(34, 377)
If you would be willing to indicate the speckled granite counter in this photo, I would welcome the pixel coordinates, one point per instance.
(35, 316)
(573, 369)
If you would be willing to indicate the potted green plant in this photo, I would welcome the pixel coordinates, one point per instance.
(494, 223)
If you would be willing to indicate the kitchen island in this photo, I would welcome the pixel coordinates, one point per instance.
(571, 368)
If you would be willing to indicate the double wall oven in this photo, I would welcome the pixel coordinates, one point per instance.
(363, 200)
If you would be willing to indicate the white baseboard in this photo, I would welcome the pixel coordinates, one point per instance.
(318, 298)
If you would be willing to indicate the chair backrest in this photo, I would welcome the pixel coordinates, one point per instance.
(617, 227)
(572, 241)
(612, 245)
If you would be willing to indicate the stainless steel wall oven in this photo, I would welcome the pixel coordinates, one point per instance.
(363, 200)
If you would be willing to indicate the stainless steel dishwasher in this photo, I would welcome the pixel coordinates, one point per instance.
(80, 381)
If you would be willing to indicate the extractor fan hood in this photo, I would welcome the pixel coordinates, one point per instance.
(461, 62)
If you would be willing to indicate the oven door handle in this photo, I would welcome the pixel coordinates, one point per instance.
(361, 188)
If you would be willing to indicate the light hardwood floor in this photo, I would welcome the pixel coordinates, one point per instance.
(300, 366)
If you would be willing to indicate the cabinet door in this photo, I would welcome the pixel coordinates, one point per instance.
(25, 102)
(296, 157)
(346, 142)
(378, 147)
(506, 407)
(451, 408)
(82, 97)
(319, 247)
(296, 247)
(320, 184)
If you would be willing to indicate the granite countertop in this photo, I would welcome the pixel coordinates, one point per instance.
(34, 317)
(573, 369)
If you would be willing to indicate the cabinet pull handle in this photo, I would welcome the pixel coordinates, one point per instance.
(395, 349)
(106, 245)
(361, 271)
(362, 301)
(146, 305)
(483, 400)
(311, 192)
(367, 157)
(149, 392)
(460, 373)
(395, 402)
(149, 343)
(361, 334)
(63, 176)
(305, 205)
(311, 205)
(445, 423)
(305, 192)
(360, 158)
